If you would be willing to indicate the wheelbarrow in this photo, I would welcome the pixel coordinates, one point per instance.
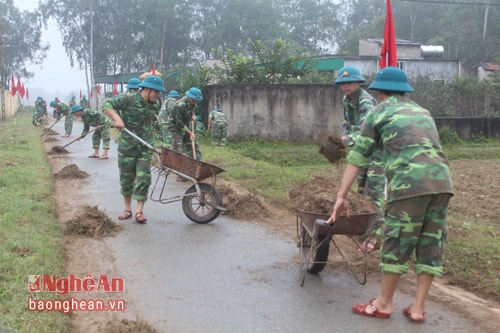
(315, 238)
(202, 202)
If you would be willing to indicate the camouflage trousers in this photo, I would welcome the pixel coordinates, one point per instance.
(181, 142)
(219, 133)
(135, 174)
(102, 133)
(68, 124)
(166, 137)
(417, 224)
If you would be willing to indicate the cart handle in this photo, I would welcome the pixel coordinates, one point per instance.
(141, 140)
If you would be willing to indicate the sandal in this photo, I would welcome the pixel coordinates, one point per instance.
(181, 179)
(125, 215)
(139, 218)
(93, 156)
(361, 310)
(407, 313)
(369, 245)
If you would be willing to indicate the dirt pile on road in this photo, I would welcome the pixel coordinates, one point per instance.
(241, 203)
(128, 326)
(319, 194)
(71, 172)
(58, 150)
(91, 223)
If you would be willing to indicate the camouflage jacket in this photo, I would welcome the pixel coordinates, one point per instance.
(355, 112)
(63, 109)
(181, 114)
(165, 110)
(93, 118)
(413, 160)
(138, 116)
(218, 117)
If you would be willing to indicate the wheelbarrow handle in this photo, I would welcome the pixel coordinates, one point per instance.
(141, 140)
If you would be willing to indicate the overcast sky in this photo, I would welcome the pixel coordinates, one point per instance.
(55, 73)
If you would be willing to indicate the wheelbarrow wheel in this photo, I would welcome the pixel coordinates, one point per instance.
(315, 251)
(202, 209)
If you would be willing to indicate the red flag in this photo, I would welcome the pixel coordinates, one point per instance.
(13, 86)
(81, 94)
(92, 89)
(19, 87)
(27, 93)
(98, 88)
(153, 70)
(114, 87)
(22, 90)
(388, 54)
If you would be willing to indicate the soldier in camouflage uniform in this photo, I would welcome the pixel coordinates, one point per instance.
(218, 123)
(72, 102)
(40, 102)
(357, 103)
(136, 113)
(166, 108)
(84, 102)
(63, 110)
(101, 123)
(38, 117)
(199, 127)
(419, 190)
(180, 120)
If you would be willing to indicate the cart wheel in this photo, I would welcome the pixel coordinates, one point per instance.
(314, 256)
(196, 208)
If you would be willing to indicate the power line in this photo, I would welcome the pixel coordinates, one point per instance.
(456, 2)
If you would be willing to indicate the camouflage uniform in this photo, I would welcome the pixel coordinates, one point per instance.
(178, 122)
(65, 110)
(38, 118)
(371, 180)
(134, 159)
(72, 102)
(94, 118)
(40, 102)
(419, 183)
(165, 110)
(84, 102)
(218, 124)
(199, 127)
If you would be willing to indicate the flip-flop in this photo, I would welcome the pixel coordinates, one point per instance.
(125, 215)
(103, 158)
(361, 310)
(407, 313)
(93, 156)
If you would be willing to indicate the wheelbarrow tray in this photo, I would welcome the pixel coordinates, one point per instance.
(182, 163)
(355, 225)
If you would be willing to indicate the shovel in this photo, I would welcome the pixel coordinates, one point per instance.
(47, 129)
(59, 149)
(141, 140)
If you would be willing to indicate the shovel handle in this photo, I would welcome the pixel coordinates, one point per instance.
(80, 137)
(141, 140)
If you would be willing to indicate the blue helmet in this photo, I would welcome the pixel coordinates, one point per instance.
(153, 82)
(195, 93)
(53, 103)
(173, 94)
(39, 109)
(349, 74)
(133, 83)
(76, 108)
(199, 118)
(391, 79)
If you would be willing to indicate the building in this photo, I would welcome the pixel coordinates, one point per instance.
(484, 70)
(415, 59)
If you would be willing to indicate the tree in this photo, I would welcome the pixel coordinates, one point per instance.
(278, 63)
(21, 40)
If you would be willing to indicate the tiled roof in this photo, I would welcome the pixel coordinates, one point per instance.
(490, 67)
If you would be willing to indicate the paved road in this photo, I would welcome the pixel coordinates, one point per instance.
(230, 275)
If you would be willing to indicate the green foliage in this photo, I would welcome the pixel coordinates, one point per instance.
(448, 137)
(280, 62)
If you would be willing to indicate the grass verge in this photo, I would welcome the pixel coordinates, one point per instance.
(31, 241)
(270, 169)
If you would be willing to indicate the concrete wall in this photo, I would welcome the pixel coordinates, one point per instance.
(280, 112)
(465, 126)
